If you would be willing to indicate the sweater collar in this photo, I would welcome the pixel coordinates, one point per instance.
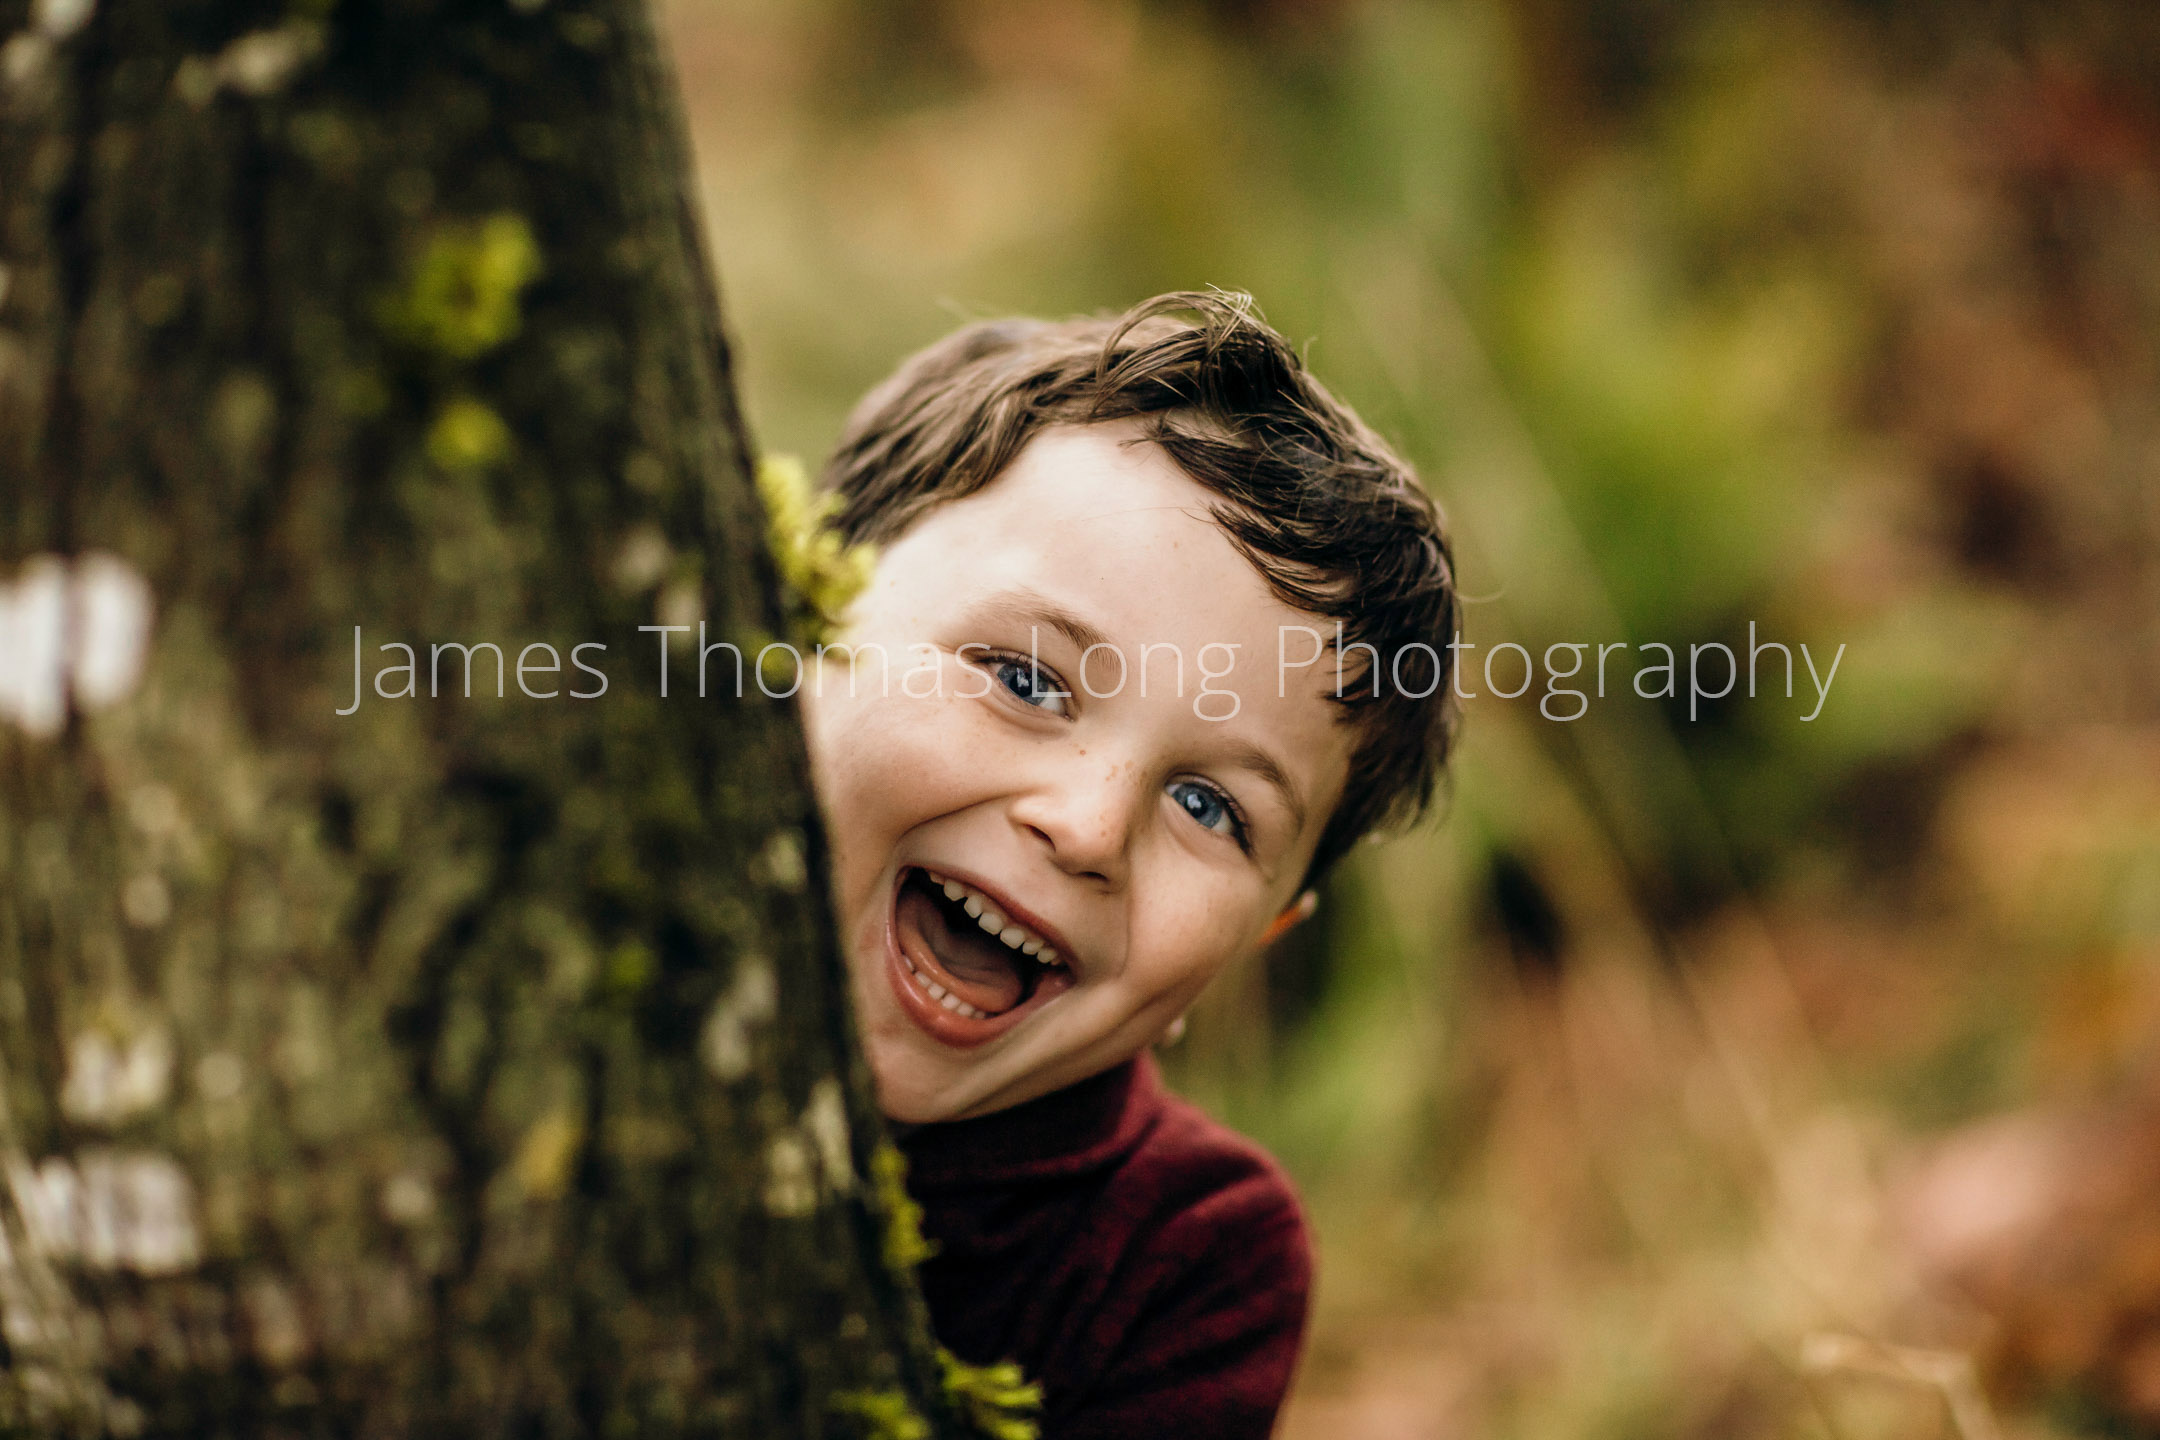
(1087, 1125)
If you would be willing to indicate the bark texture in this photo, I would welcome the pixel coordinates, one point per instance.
(464, 1064)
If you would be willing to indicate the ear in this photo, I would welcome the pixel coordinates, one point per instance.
(1299, 909)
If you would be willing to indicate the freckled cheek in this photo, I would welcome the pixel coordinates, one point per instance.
(1188, 944)
(901, 762)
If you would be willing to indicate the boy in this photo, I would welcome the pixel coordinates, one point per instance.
(1160, 632)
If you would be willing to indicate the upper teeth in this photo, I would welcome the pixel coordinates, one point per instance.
(986, 914)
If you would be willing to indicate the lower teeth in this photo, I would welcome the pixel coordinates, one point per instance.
(945, 998)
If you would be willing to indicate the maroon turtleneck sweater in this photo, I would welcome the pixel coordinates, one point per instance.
(1148, 1267)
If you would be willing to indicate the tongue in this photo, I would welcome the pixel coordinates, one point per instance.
(975, 967)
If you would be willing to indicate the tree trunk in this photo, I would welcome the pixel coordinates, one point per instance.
(467, 1063)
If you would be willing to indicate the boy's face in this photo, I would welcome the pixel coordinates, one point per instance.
(1128, 838)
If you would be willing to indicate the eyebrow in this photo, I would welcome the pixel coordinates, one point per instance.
(1248, 756)
(1024, 604)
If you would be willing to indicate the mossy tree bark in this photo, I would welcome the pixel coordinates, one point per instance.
(460, 1064)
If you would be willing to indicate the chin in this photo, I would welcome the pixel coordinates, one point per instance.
(911, 1087)
(903, 1098)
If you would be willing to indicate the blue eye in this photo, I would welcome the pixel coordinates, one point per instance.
(1208, 805)
(1033, 684)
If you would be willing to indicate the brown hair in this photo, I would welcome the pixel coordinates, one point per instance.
(1336, 524)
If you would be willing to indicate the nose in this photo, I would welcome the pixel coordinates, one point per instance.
(1087, 817)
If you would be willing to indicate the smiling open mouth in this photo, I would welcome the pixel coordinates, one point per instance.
(972, 968)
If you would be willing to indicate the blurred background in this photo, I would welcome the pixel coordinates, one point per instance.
(1734, 1075)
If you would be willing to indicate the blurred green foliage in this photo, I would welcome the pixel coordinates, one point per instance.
(1840, 321)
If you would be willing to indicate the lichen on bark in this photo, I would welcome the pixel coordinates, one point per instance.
(412, 1070)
